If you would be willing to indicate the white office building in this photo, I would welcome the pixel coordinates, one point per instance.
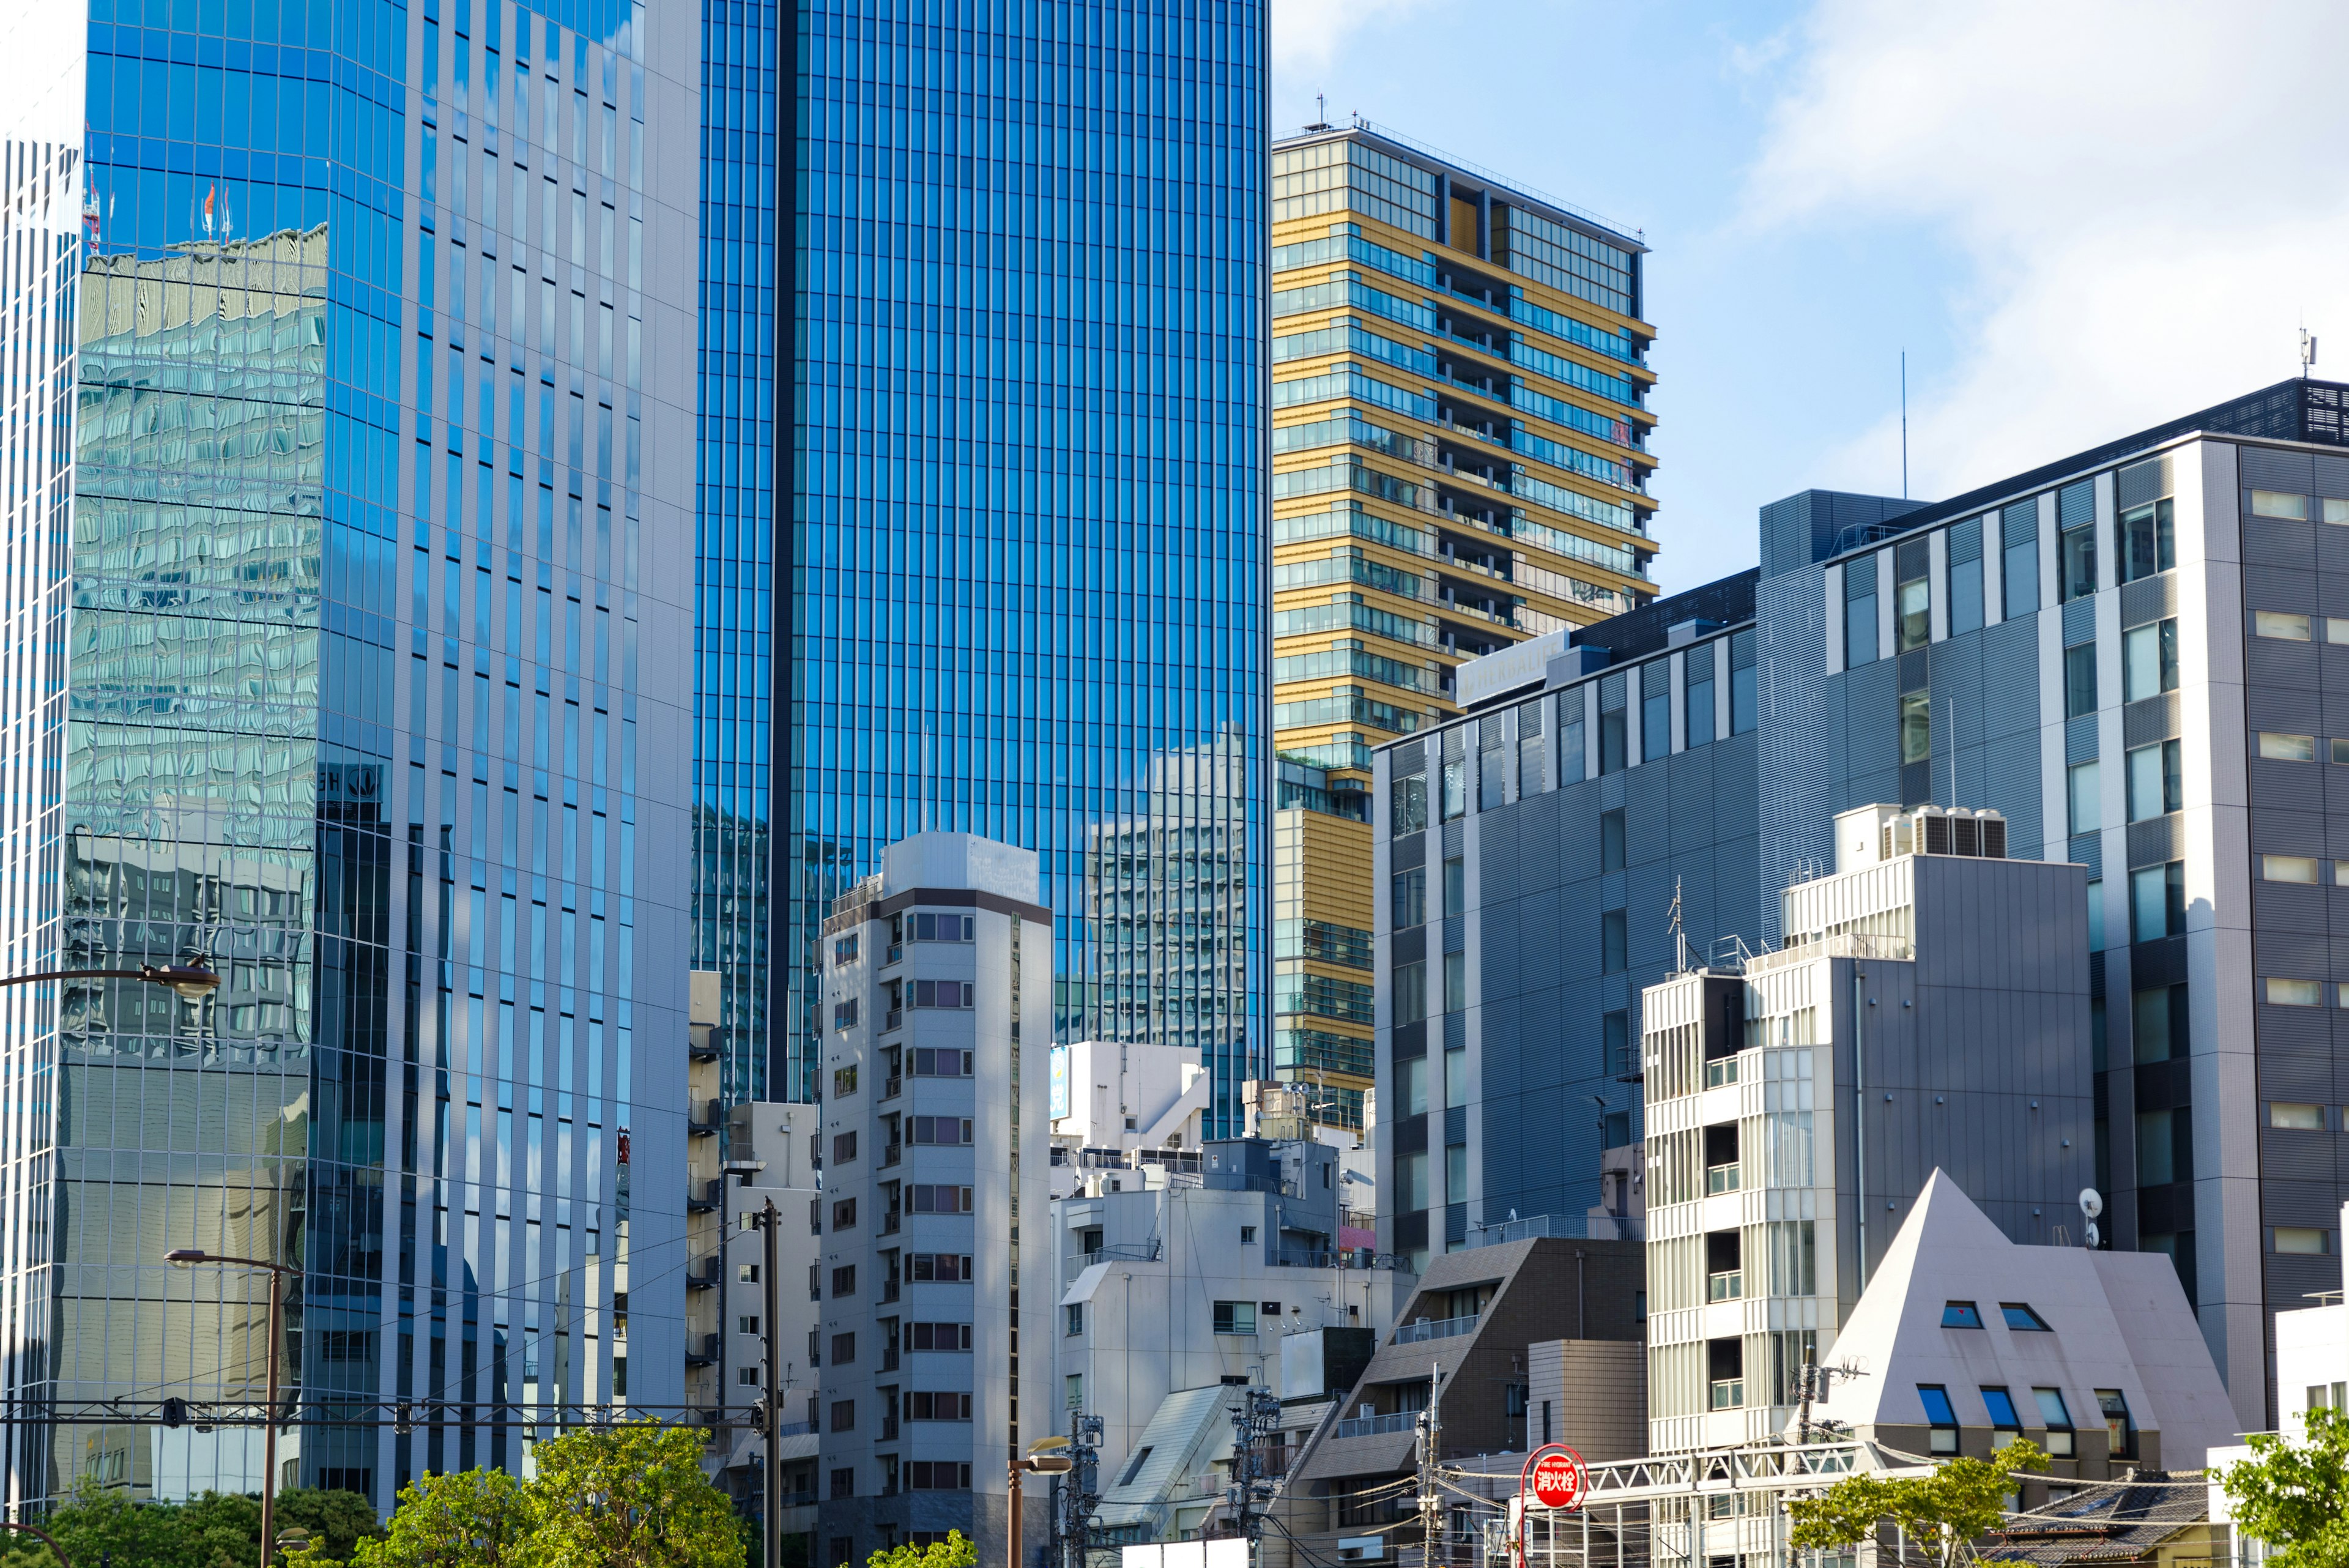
(936, 1015)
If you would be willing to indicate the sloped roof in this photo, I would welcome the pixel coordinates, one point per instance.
(2105, 1522)
(2115, 1319)
(1190, 1430)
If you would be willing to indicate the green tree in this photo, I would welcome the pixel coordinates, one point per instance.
(473, 1519)
(98, 1525)
(1944, 1512)
(2295, 1495)
(337, 1520)
(222, 1530)
(629, 1497)
(955, 1551)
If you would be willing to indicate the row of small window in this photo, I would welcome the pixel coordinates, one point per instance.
(2291, 625)
(1408, 801)
(918, 927)
(2279, 747)
(928, 1062)
(2014, 1314)
(2282, 992)
(911, 1336)
(916, 1407)
(2055, 1414)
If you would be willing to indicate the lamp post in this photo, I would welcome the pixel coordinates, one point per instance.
(187, 1257)
(192, 981)
(1044, 1463)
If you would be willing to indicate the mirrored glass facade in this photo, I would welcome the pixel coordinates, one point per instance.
(355, 640)
(1028, 564)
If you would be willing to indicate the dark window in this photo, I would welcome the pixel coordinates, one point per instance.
(1613, 691)
(2157, 1023)
(1236, 1317)
(1941, 1415)
(1655, 709)
(1456, 886)
(843, 1213)
(1912, 601)
(1965, 578)
(1610, 840)
(843, 1419)
(1859, 612)
(843, 1147)
(2000, 1406)
(2018, 533)
(2149, 541)
(1745, 708)
(1410, 993)
(1961, 1314)
(844, 1349)
(1614, 958)
(2018, 1314)
(1699, 706)
(2080, 679)
(1408, 906)
(1407, 806)
(2121, 1429)
(1134, 1465)
(843, 1280)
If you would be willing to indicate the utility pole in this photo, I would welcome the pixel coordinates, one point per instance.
(770, 1221)
(1255, 1419)
(1431, 1434)
(1078, 1492)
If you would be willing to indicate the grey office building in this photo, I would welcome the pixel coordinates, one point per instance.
(2132, 654)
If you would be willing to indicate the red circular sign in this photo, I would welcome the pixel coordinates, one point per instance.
(1559, 1478)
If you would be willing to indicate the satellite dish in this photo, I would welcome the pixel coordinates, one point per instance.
(2092, 1203)
(2094, 1237)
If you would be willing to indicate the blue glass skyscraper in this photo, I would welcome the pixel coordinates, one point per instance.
(1024, 463)
(349, 596)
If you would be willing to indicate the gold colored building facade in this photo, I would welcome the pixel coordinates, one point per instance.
(1459, 464)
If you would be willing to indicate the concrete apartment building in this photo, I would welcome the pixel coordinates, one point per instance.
(937, 1268)
(1460, 456)
(1927, 1014)
(2132, 654)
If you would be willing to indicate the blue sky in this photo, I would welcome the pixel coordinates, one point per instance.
(2078, 219)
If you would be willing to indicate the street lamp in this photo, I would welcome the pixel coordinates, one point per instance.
(192, 981)
(1043, 1461)
(187, 1257)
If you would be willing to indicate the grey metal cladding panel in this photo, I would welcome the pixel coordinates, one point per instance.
(2304, 1072)
(2289, 787)
(1871, 703)
(1408, 853)
(2297, 1184)
(2265, 468)
(2292, 1278)
(2079, 621)
(2279, 542)
(2333, 550)
(2289, 906)
(2086, 849)
(2288, 833)
(2305, 1031)
(1455, 933)
(2152, 719)
(1646, 814)
(1694, 798)
(1500, 854)
(2285, 672)
(1454, 834)
(1455, 1031)
(1955, 669)
(2278, 588)
(2148, 598)
(1865, 789)
(1736, 803)
(1576, 855)
(1800, 752)
(1578, 931)
(1455, 1125)
(2293, 955)
(2331, 476)
(1651, 944)
(2010, 674)
(2011, 785)
(2336, 788)
(2080, 739)
(2333, 576)
(1738, 890)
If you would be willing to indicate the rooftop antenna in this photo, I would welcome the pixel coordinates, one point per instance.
(1321, 113)
(1680, 936)
(2307, 351)
(1904, 424)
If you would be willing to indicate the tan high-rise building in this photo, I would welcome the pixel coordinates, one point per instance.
(1460, 439)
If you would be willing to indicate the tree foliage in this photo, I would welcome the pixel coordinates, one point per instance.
(2295, 1495)
(472, 1519)
(955, 1551)
(1944, 1512)
(214, 1530)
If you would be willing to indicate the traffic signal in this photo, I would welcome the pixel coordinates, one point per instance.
(175, 1412)
(403, 1419)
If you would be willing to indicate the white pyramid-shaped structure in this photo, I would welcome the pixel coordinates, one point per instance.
(2115, 1320)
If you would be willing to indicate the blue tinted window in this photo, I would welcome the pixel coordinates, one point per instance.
(2019, 1315)
(2001, 1409)
(1961, 1314)
(1938, 1410)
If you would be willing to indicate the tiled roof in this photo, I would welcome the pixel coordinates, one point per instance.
(2105, 1522)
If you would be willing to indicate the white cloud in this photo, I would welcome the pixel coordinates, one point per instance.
(42, 47)
(2151, 196)
(1308, 33)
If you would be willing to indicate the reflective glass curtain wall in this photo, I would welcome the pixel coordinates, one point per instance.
(734, 531)
(372, 680)
(1028, 574)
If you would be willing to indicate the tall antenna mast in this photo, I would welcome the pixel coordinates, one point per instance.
(1680, 936)
(2307, 351)
(1904, 424)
